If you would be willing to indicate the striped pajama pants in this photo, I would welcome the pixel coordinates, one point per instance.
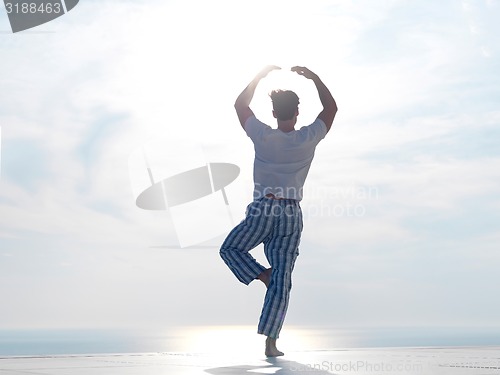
(277, 223)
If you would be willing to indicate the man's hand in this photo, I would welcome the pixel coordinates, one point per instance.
(266, 70)
(329, 106)
(242, 104)
(303, 71)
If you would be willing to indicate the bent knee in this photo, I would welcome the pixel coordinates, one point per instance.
(223, 252)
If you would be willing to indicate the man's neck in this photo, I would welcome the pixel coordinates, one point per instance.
(287, 126)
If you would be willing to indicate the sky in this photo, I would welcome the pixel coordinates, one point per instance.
(401, 206)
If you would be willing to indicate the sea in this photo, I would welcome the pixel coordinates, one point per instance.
(197, 339)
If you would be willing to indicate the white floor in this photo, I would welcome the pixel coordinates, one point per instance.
(401, 361)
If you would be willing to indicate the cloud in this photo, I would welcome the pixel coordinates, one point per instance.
(415, 133)
(482, 25)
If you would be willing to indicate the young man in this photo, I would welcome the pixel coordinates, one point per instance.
(282, 160)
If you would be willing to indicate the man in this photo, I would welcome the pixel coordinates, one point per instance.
(282, 160)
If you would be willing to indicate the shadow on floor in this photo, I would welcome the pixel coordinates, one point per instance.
(277, 366)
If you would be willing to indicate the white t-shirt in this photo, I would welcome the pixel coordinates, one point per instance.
(282, 160)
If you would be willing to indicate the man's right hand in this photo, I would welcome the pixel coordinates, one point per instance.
(303, 71)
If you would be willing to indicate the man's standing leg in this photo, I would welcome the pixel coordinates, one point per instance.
(281, 251)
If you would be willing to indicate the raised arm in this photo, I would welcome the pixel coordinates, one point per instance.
(329, 106)
(242, 104)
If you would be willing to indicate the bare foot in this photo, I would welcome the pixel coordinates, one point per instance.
(271, 350)
(265, 276)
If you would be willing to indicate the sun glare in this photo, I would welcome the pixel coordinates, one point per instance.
(225, 339)
(243, 340)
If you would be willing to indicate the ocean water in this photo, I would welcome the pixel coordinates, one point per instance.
(226, 338)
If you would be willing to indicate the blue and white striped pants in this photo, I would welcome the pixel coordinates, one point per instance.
(277, 223)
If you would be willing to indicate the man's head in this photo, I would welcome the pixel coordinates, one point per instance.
(285, 104)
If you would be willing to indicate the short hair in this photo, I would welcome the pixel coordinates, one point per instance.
(285, 104)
